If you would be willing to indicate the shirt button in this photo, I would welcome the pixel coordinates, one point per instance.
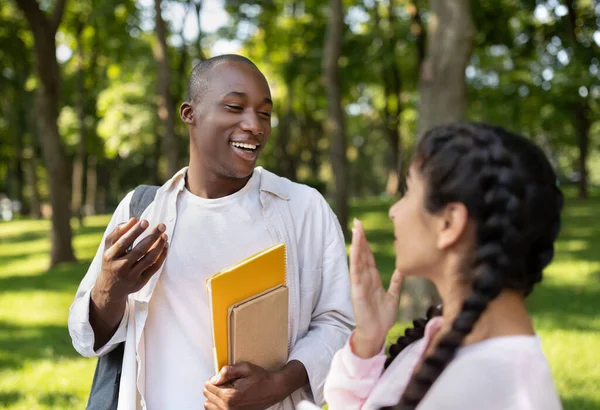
(142, 307)
(137, 357)
(143, 403)
(170, 218)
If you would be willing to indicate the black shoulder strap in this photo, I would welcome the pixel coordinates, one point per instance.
(143, 196)
(104, 394)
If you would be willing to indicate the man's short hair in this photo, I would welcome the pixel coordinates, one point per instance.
(199, 77)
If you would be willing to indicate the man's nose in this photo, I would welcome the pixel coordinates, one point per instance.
(251, 124)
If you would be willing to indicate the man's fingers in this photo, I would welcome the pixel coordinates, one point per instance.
(119, 231)
(152, 261)
(229, 373)
(126, 240)
(209, 405)
(214, 395)
(396, 284)
(142, 248)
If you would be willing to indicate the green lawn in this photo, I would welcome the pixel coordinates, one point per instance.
(40, 370)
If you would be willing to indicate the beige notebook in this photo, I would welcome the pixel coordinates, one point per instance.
(258, 329)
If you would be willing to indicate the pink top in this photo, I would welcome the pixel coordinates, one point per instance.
(509, 372)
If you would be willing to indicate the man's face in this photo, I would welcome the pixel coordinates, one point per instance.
(231, 120)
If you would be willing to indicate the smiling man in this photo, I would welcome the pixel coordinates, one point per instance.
(220, 209)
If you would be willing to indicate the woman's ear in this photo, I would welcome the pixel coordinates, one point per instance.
(186, 112)
(453, 221)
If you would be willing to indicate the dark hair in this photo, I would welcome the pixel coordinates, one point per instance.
(199, 77)
(510, 191)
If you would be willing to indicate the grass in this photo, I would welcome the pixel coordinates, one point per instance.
(40, 370)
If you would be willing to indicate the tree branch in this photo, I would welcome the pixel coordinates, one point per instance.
(58, 13)
(33, 14)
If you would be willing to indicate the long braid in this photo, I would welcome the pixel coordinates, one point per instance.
(412, 334)
(498, 231)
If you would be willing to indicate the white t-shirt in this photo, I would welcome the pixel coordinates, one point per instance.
(210, 235)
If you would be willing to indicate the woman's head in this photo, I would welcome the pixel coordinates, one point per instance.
(488, 197)
(485, 194)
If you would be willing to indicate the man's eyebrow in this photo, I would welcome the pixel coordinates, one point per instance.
(244, 95)
(236, 94)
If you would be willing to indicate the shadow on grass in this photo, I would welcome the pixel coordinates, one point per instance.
(9, 398)
(20, 344)
(566, 307)
(59, 400)
(580, 403)
(63, 277)
(44, 233)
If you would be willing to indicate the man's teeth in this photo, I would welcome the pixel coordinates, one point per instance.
(243, 145)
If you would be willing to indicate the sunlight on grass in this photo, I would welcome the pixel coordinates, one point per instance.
(39, 369)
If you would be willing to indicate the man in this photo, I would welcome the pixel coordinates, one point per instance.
(208, 216)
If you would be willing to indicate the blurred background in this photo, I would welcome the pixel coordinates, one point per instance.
(89, 97)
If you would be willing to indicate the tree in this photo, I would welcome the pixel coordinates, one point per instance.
(443, 99)
(44, 30)
(335, 123)
(166, 105)
(581, 108)
(392, 88)
(443, 88)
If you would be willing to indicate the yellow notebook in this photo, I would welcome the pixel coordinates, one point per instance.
(249, 277)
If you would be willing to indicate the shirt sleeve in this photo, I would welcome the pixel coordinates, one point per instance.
(352, 379)
(80, 329)
(332, 318)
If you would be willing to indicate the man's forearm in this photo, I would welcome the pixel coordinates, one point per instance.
(105, 315)
(290, 378)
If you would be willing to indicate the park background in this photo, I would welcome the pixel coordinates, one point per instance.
(89, 96)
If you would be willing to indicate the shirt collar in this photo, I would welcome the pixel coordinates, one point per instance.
(269, 182)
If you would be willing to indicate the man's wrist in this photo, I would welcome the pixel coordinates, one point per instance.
(290, 378)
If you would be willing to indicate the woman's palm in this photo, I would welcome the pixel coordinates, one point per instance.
(375, 309)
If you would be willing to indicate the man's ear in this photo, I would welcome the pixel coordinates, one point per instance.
(453, 221)
(186, 112)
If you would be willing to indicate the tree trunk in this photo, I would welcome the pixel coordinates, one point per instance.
(91, 186)
(47, 105)
(18, 165)
(393, 104)
(199, 51)
(581, 107)
(417, 29)
(30, 162)
(166, 107)
(182, 71)
(443, 88)
(79, 163)
(335, 123)
(284, 160)
(582, 127)
(443, 92)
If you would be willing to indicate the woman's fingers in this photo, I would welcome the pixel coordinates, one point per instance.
(396, 284)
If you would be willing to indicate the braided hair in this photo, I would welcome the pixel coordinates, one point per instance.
(510, 192)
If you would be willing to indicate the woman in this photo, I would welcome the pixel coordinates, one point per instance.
(479, 220)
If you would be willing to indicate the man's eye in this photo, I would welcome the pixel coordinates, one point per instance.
(234, 107)
(266, 114)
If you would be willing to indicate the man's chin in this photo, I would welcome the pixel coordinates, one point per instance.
(241, 171)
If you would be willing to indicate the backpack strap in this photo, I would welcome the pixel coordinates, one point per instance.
(143, 196)
(104, 394)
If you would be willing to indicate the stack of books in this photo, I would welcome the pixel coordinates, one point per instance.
(249, 311)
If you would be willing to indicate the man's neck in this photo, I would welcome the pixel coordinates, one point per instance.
(209, 185)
